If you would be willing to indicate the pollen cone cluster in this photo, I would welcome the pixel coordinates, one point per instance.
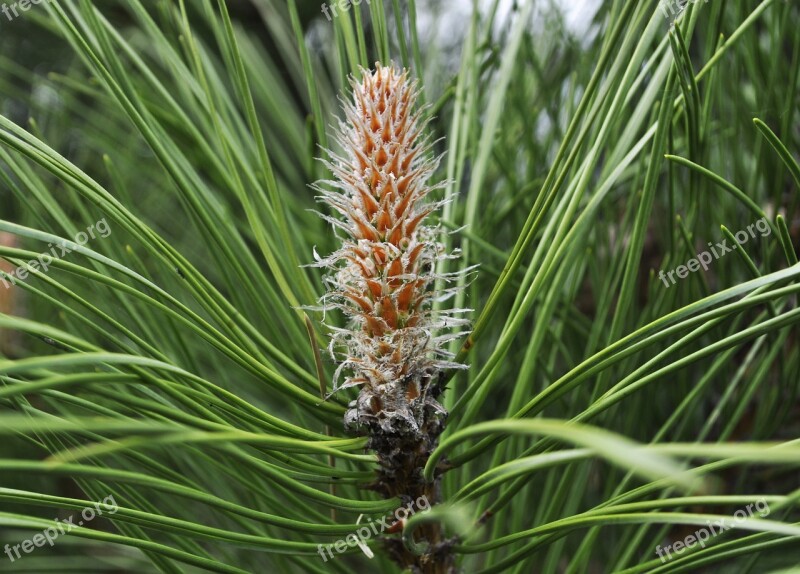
(383, 276)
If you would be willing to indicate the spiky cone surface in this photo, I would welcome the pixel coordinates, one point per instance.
(383, 280)
(383, 276)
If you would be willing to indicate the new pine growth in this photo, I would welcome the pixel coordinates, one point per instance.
(383, 276)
